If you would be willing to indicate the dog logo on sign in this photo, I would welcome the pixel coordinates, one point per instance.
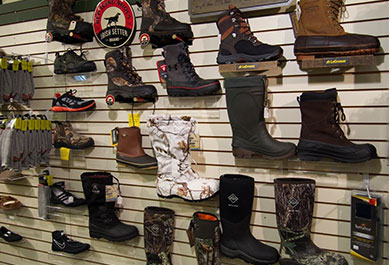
(114, 23)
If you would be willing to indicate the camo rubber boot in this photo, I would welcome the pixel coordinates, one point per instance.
(124, 83)
(320, 32)
(238, 43)
(204, 233)
(159, 28)
(64, 26)
(159, 225)
(66, 136)
(294, 200)
(170, 137)
(71, 62)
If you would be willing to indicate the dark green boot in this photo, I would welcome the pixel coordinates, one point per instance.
(204, 233)
(158, 235)
(294, 199)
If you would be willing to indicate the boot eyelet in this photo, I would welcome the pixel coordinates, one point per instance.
(234, 35)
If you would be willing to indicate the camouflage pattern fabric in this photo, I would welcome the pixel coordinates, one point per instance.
(207, 250)
(170, 140)
(158, 235)
(155, 10)
(294, 199)
(67, 135)
(61, 13)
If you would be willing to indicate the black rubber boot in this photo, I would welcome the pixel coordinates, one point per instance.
(235, 203)
(246, 98)
(103, 221)
(294, 200)
(181, 78)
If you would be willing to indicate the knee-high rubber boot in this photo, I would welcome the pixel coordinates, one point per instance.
(158, 234)
(294, 199)
(246, 98)
(236, 201)
(103, 221)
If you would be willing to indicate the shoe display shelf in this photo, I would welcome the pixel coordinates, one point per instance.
(62, 258)
(75, 78)
(270, 68)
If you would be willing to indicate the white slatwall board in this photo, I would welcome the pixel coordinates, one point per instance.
(363, 93)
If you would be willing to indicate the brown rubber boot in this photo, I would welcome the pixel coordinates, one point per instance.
(130, 151)
(320, 32)
(66, 136)
(321, 135)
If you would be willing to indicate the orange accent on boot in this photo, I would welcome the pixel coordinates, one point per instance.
(204, 216)
(227, 33)
(57, 95)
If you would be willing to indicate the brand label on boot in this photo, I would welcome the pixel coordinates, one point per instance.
(114, 23)
(247, 66)
(233, 199)
(293, 202)
(336, 61)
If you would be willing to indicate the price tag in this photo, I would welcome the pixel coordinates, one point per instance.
(49, 125)
(37, 125)
(194, 141)
(65, 153)
(24, 125)
(31, 125)
(134, 119)
(18, 124)
(24, 65)
(15, 65)
(111, 193)
(49, 179)
(30, 67)
(43, 124)
(3, 63)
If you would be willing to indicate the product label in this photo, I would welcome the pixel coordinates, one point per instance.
(64, 153)
(24, 65)
(336, 61)
(48, 125)
(247, 66)
(31, 125)
(24, 125)
(3, 63)
(134, 119)
(194, 141)
(114, 136)
(111, 193)
(15, 65)
(18, 124)
(30, 67)
(43, 124)
(37, 125)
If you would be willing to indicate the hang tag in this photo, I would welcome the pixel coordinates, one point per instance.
(194, 141)
(64, 153)
(111, 193)
(70, 199)
(114, 136)
(72, 25)
(119, 201)
(3, 63)
(48, 125)
(24, 125)
(190, 235)
(134, 119)
(15, 65)
(18, 124)
(31, 125)
(37, 125)
(266, 113)
(30, 67)
(43, 124)
(24, 65)
(49, 179)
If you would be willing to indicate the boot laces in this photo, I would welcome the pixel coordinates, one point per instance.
(242, 24)
(71, 94)
(188, 67)
(130, 72)
(337, 10)
(337, 117)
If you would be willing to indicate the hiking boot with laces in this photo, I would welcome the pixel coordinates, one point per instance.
(321, 134)
(61, 242)
(124, 83)
(59, 195)
(319, 31)
(66, 136)
(64, 26)
(238, 43)
(180, 76)
(71, 62)
(69, 102)
(159, 28)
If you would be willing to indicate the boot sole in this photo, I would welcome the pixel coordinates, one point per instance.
(314, 151)
(187, 200)
(244, 153)
(60, 109)
(113, 239)
(181, 91)
(241, 57)
(239, 254)
(337, 53)
(58, 145)
(140, 166)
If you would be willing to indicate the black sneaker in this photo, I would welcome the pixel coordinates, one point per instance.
(69, 102)
(62, 243)
(70, 62)
(61, 196)
(9, 236)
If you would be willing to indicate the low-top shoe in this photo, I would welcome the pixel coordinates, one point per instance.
(69, 102)
(62, 243)
(59, 195)
(9, 236)
(71, 62)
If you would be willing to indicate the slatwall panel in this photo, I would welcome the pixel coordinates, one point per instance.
(363, 93)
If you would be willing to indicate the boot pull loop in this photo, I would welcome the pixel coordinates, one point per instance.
(190, 233)
(299, 100)
(154, 108)
(298, 10)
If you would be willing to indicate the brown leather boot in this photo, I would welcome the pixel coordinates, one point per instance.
(320, 32)
(321, 135)
(130, 151)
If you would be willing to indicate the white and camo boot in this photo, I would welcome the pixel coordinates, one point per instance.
(170, 140)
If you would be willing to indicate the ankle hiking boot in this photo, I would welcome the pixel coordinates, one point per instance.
(61, 242)
(124, 83)
(70, 62)
(70, 103)
(294, 203)
(238, 43)
(235, 205)
(246, 98)
(59, 195)
(66, 136)
(159, 28)
(159, 226)
(130, 151)
(204, 233)
(180, 76)
(321, 135)
(64, 26)
(170, 140)
(320, 32)
(103, 221)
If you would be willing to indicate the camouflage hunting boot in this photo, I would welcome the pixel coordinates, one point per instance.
(159, 28)
(204, 233)
(319, 31)
(238, 43)
(71, 62)
(124, 83)
(170, 140)
(64, 26)
(66, 136)
(294, 199)
(159, 225)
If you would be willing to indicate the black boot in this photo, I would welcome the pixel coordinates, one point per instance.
(294, 200)
(103, 221)
(246, 98)
(181, 78)
(236, 201)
